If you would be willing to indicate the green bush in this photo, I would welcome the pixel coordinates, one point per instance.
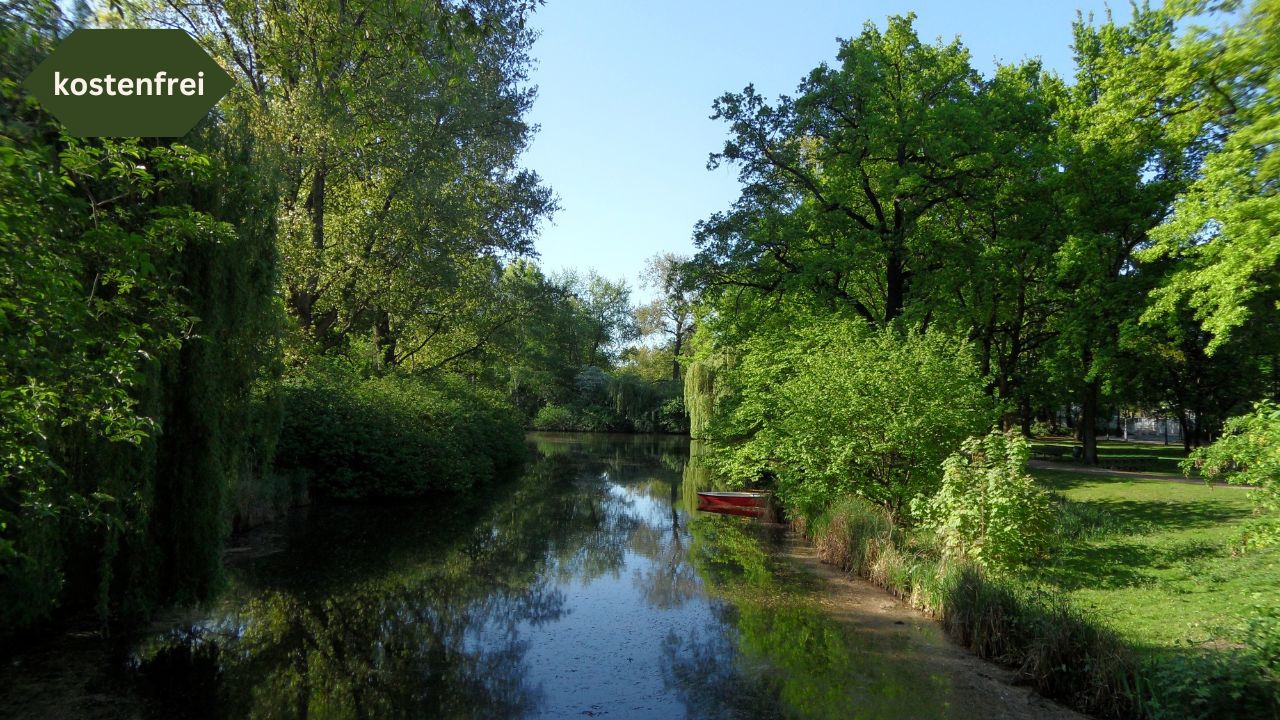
(672, 416)
(1248, 453)
(988, 508)
(1040, 428)
(394, 436)
(837, 408)
(1202, 684)
(554, 417)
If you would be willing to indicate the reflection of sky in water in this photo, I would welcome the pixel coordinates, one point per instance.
(606, 653)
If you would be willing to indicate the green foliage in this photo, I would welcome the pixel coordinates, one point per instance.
(836, 408)
(136, 315)
(700, 395)
(617, 401)
(554, 417)
(988, 509)
(670, 316)
(1204, 685)
(1222, 229)
(837, 200)
(1263, 637)
(396, 129)
(1248, 453)
(394, 436)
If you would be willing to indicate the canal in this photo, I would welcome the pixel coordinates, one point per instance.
(588, 587)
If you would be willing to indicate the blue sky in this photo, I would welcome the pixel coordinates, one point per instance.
(625, 91)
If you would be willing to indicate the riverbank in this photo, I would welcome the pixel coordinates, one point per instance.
(1071, 641)
(981, 687)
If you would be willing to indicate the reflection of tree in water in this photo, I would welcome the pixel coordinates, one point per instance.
(428, 627)
(669, 580)
(704, 670)
(777, 654)
(648, 467)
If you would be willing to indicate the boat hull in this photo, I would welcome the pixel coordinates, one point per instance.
(749, 504)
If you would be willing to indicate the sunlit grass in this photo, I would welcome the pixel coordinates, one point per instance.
(1154, 560)
(1154, 457)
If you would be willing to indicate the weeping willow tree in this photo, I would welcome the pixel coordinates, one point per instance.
(137, 314)
(700, 395)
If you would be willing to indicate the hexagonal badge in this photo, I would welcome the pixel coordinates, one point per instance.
(128, 83)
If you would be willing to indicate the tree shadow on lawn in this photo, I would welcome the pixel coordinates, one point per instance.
(1112, 565)
(1100, 545)
(1140, 517)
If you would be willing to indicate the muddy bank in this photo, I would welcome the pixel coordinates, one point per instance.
(979, 688)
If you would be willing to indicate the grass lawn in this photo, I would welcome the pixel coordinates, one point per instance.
(1153, 456)
(1154, 561)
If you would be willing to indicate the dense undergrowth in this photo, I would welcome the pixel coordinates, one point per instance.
(1058, 648)
(348, 437)
(616, 402)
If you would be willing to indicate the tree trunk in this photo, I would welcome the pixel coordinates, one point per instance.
(302, 299)
(1089, 423)
(384, 342)
(675, 359)
(896, 287)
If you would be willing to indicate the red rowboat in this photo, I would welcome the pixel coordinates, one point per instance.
(751, 504)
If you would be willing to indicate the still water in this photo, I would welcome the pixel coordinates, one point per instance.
(588, 587)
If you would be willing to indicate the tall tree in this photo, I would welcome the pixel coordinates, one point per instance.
(1125, 138)
(670, 314)
(839, 183)
(1223, 229)
(606, 316)
(398, 128)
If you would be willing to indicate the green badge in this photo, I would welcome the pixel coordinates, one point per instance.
(127, 83)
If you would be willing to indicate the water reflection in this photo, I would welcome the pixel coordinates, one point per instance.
(586, 587)
(777, 654)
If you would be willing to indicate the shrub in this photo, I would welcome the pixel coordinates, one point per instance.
(672, 417)
(554, 417)
(394, 436)
(1248, 453)
(837, 409)
(988, 508)
(1040, 428)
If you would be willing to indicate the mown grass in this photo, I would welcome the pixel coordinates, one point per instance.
(1154, 560)
(1152, 457)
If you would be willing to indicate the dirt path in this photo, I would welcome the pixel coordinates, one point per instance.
(980, 689)
(1126, 474)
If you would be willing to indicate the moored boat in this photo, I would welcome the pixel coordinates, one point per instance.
(748, 503)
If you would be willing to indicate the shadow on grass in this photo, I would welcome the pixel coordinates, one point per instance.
(1098, 546)
(1132, 517)
(1115, 565)
(1147, 458)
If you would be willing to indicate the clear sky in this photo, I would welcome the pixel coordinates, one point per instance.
(625, 91)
